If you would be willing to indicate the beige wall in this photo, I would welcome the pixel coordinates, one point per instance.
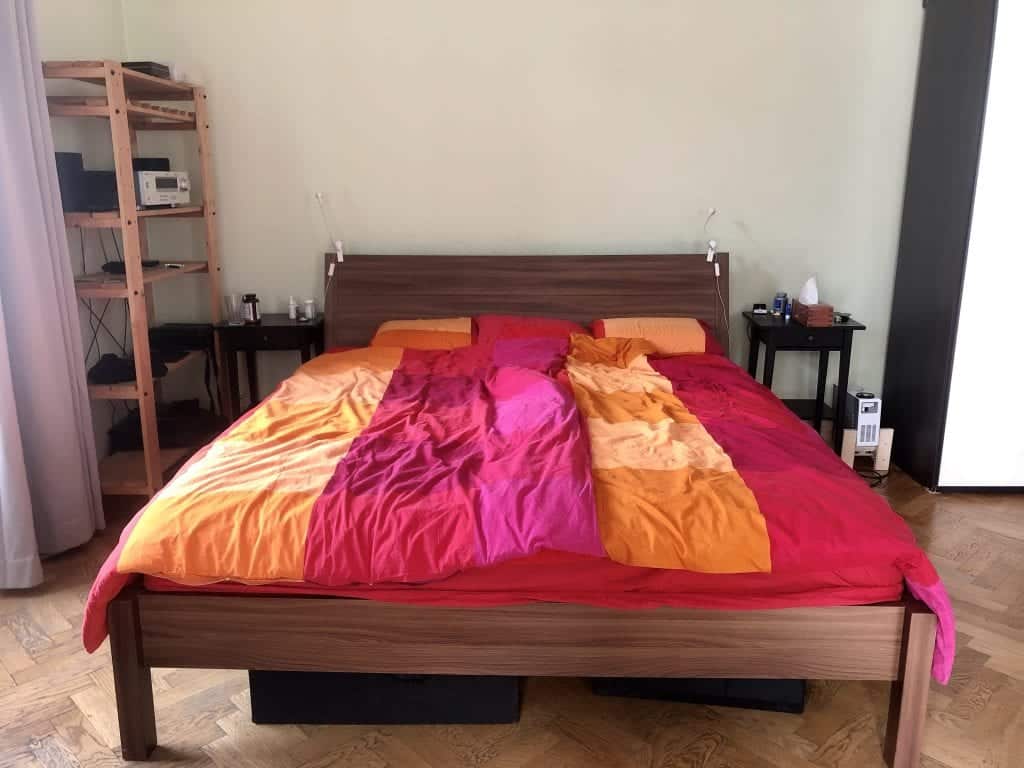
(80, 29)
(85, 29)
(558, 126)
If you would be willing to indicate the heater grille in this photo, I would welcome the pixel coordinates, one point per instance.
(868, 434)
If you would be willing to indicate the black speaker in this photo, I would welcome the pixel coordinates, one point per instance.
(99, 191)
(151, 163)
(70, 181)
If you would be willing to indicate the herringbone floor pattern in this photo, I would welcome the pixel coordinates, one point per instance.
(57, 704)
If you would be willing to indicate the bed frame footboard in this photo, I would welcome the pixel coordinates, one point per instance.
(891, 641)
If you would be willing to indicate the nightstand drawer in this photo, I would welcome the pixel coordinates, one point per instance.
(799, 337)
(271, 338)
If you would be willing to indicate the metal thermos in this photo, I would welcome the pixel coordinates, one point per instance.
(250, 308)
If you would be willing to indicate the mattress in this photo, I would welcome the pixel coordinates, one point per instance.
(562, 577)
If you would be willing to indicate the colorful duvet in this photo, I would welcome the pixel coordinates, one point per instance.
(395, 466)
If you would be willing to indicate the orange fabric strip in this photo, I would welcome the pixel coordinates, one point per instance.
(667, 494)
(618, 406)
(422, 339)
(240, 509)
(618, 353)
(696, 519)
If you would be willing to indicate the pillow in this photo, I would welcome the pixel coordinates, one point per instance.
(492, 328)
(438, 333)
(711, 345)
(669, 335)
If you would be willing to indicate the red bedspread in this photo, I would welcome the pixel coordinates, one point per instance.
(692, 462)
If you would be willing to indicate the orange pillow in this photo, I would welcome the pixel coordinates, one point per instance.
(669, 335)
(438, 333)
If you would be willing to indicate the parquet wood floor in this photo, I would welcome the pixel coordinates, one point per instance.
(57, 705)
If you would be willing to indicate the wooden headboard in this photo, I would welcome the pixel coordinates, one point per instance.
(367, 290)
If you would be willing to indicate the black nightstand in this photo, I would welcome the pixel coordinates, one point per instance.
(272, 333)
(778, 335)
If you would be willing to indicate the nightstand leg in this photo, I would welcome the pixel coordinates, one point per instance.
(250, 372)
(842, 385)
(752, 356)
(819, 402)
(769, 363)
(234, 400)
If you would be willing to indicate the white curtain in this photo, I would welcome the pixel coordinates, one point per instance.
(49, 489)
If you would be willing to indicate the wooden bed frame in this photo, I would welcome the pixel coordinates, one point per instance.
(892, 641)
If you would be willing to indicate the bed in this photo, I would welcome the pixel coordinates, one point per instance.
(567, 614)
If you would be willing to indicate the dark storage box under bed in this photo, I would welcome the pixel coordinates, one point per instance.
(320, 698)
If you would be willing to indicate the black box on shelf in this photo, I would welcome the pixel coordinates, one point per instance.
(149, 68)
(315, 698)
(151, 163)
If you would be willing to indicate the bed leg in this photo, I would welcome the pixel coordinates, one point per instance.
(908, 698)
(133, 684)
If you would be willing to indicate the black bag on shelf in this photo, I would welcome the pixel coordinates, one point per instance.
(174, 337)
(114, 369)
(179, 424)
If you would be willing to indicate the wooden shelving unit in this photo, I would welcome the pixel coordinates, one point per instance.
(127, 103)
(100, 285)
(112, 219)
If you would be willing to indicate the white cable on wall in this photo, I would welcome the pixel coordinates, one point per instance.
(713, 259)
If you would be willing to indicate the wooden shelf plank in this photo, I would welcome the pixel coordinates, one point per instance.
(137, 85)
(112, 219)
(77, 106)
(85, 71)
(123, 391)
(100, 285)
(140, 116)
(128, 390)
(181, 118)
(124, 473)
(145, 124)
